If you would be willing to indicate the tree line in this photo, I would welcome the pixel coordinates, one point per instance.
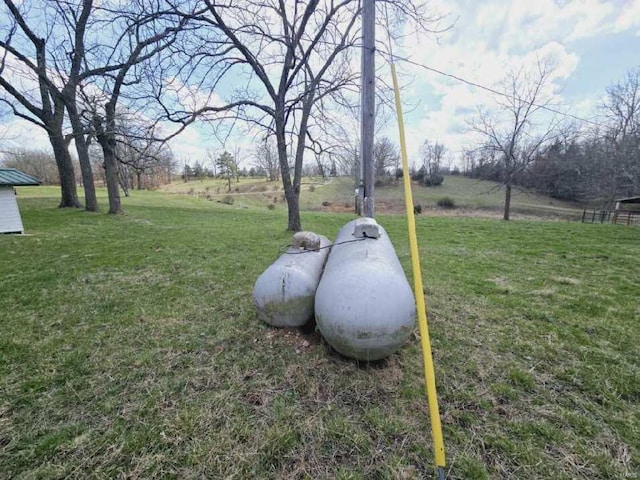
(533, 146)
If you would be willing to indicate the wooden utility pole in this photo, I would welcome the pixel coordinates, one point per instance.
(368, 106)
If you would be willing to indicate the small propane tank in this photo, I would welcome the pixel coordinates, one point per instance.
(284, 294)
(364, 307)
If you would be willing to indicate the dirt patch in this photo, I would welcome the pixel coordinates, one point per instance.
(295, 337)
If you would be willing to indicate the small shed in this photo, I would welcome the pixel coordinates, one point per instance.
(10, 220)
(628, 204)
(627, 211)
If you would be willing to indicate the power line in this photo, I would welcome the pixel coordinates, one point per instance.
(496, 92)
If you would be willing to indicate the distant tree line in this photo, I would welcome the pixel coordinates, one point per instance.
(140, 164)
(595, 162)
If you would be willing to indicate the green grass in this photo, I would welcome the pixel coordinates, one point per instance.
(470, 196)
(130, 348)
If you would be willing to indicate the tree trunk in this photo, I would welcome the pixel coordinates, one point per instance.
(63, 159)
(507, 201)
(66, 173)
(294, 206)
(53, 118)
(111, 173)
(290, 195)
(320, 168)
(125, 179)
(107, 139)
(139, 179)
(91, 202)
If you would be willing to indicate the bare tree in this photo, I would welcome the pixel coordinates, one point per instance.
(121, 39)
(237, 152)
(432, 155)
(57, 71)
(297, 54)
(24, 61)
(145, 30)
(75, 24)
(622, 110)
(385, 156)
(341, 137)
(139, 153)
(511, 135)
(266, 158)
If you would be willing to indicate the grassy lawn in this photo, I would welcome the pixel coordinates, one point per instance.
(130, 349)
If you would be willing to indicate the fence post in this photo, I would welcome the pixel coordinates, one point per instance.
(593, 216)
(584, 212)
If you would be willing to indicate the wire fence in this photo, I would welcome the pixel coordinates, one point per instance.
(618, 217)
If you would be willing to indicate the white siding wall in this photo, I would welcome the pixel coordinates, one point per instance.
(10, 220)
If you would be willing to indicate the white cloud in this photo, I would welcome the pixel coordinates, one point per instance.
(18, 133)
(491, 38)
(629, 18)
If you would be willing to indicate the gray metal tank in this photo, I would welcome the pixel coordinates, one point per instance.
(284, 293)
(364, 306)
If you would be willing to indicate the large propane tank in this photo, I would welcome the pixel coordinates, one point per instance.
(284, 293)
(365, 308)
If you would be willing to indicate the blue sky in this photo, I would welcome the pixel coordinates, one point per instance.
(603, 60)
(592, 43)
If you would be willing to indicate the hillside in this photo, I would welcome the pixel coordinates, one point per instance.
(472, 197)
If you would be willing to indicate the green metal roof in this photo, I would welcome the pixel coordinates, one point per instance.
(13, 177)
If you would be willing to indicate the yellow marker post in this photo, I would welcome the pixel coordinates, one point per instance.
(429, 372)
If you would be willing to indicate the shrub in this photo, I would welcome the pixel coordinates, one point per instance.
(433, 180)
(271, 206)
(312, 188)
(417, 208)
(383, 181)
(418, 176)
(228, 199)
(446, 202)
(399, 173)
